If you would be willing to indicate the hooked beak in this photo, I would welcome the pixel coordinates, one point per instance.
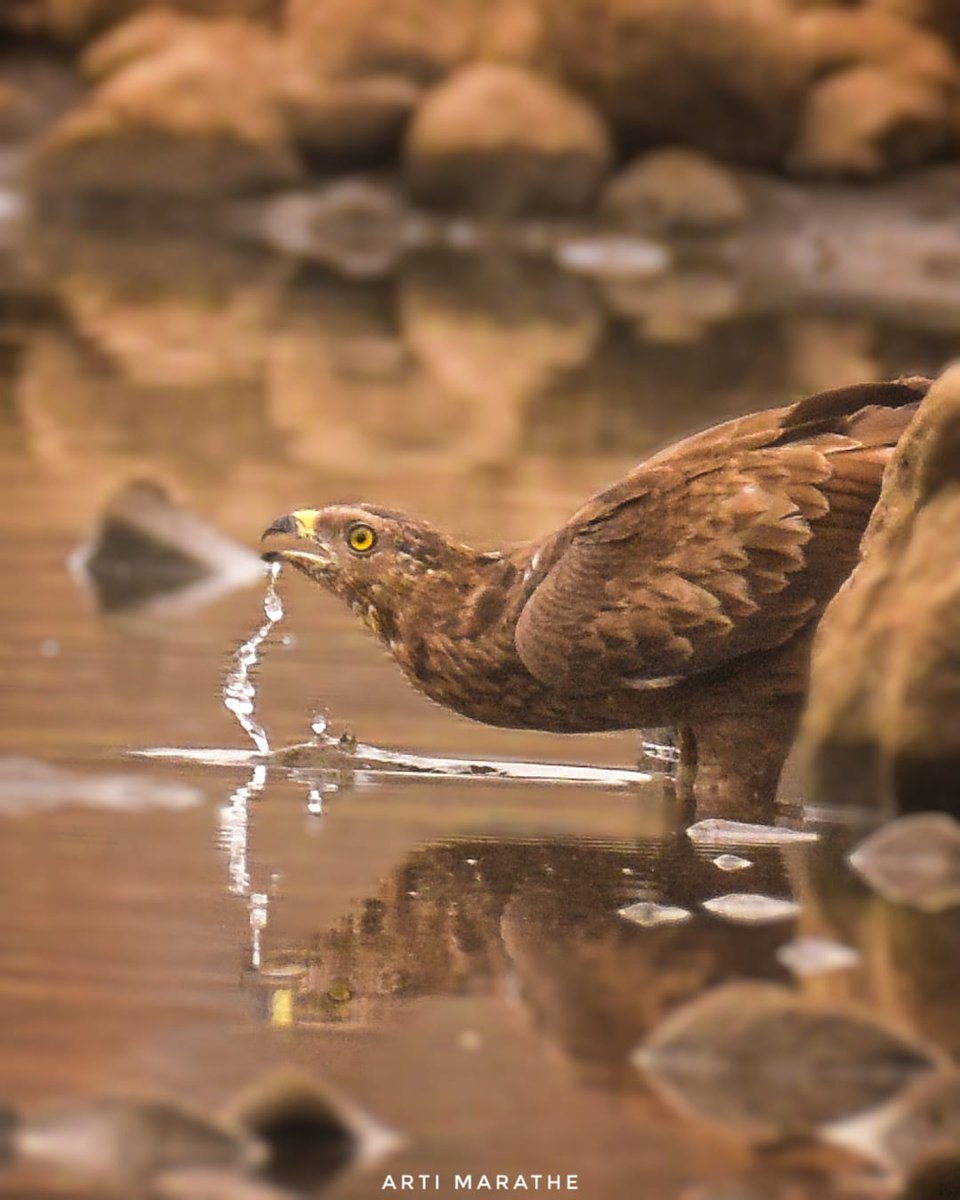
(301, 524)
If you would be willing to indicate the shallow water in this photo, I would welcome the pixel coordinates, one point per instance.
(447, 952)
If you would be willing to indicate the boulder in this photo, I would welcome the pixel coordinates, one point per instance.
(721, 75)
(940, 16)
(502, 140)
(837, 39)
(198, 118)
(78, 20)
(675, 191)
(419, 39)
(868, 121)
(345, 122)
(881, 722)
(153, 31)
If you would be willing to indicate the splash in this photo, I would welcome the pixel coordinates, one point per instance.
(239, 691)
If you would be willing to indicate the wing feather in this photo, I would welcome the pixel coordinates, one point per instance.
(717, 547)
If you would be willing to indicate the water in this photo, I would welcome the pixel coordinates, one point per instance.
(443, 948)
(239, 689)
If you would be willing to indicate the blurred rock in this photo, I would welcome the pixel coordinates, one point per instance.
(127, 1144)
(197, 118)
(868, 121)
(78, 20)
(503, 140)
(149, 551)
(152, 31)
(837, 39)
(751, 908)
(921, 1125)
(763, 1061)
(311, 1133)
(678, 305)
(915, 861)
(348, 121)
(941, 16)
(14, 107)
(675, 191)
(416, 39)
(612, 256)
(881, 720)
(360, 228)
(720, 75)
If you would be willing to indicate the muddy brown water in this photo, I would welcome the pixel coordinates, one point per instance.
(447, 953)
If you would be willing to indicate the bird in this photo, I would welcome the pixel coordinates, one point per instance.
(684, 595)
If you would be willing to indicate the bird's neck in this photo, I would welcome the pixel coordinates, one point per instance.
(452, 633)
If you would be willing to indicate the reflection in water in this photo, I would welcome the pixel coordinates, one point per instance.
(463, 934)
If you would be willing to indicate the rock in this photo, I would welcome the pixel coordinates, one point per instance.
(720, 75)
(147, 33)
(675, 191)
(14, 108)
(880, 722)
(920, 1126)
(79, 20)
(503, 140)
(414, 38)
(762, 1061)
(940, 16)
(751, 908)
(914, 861)
(198, 118)
(349, 121)
(741, 833)
(147, 550)
(868, 121)
(837, 39)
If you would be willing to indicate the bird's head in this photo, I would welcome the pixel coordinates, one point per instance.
(373, 559)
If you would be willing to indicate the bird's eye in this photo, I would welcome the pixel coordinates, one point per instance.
(361, 538)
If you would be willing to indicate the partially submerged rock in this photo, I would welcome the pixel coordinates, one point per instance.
(675, 191)
(915, 861)
(763, 1061)
(881, 721)
(148, 550)
(503, 140)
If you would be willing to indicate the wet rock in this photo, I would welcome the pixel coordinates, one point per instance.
(503, 140)
(311, 1133)
(149, 551)
(719, 832)
(348, 121)
(920, 1126)
(361, 229)
(731, 862)
(650, 915)
(675, 191)
(128, 1144)
(612, 256)
(197, 118)
(915, 861)
(751, 908)
(880, 723)
(816, 956)
(868, 121)
(28, 786)
(762, 1061)
(676, 306)
(716, 74)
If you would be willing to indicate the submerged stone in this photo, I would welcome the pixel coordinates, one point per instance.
(763, 1061)
(718, 832)
(649, 914)
(914, 860)
(751, 908)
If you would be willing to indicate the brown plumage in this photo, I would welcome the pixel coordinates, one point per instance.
(685, 592)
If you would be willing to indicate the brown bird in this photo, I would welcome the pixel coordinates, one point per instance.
(683, 595)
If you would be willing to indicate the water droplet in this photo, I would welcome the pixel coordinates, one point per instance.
(320, 724)
(239, 691)
(315, 802)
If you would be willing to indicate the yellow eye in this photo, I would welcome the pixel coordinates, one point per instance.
(361, 538)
